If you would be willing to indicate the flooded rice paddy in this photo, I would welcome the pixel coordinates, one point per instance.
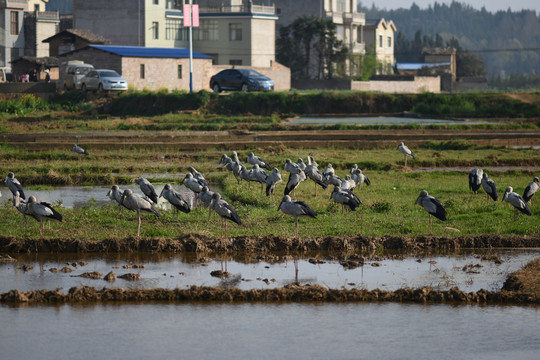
(377, 120)
(469, 271)
(270, 331)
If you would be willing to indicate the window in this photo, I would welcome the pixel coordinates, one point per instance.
(235, 32)
(174, 30)
(235, 62)
(340, 6)
(208, 30)
(36, 7)
(155, 2)
(380, 41)
(278, 11)
(155, 30)
(389, 41)
(142, 71)
(179, 71)
(14, 17)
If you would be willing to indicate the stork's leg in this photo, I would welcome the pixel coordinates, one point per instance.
(430, 229)
(405, 161)
(296, 228)
(295, 261)
(516, 213)
(315, 189)
(262, 189)
(226, 233)
(209, 213)
(138, 224)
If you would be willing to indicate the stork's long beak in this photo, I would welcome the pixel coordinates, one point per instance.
(122, 199)
(505, 196)
(161, 193)
(279, 207)
(109, 192)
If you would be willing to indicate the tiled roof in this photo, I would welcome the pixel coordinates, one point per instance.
(154, 52)
(83, 34)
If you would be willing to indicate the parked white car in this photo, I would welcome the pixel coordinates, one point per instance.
(103, 80)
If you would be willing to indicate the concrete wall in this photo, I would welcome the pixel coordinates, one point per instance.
(163, 73)
(120, 23)
(420, 84)
(415, 85)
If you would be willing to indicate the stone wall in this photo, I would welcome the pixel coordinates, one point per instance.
(409, 84)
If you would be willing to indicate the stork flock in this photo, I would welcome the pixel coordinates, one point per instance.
(299, 171)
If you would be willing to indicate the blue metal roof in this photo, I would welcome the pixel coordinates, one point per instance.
(418, 66)
(153, 52)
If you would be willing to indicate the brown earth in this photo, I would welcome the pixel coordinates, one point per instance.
(266, 244)
(289, 293)
(243, 140)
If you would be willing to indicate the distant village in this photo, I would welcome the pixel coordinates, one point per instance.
(147, 42)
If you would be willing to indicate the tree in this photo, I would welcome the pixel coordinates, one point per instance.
(304, 34)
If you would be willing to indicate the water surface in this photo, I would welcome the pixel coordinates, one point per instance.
(269, 331)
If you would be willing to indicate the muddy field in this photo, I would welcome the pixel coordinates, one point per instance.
(265, 245)
(522, 287)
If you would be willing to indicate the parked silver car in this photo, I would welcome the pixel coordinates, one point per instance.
(103, 80)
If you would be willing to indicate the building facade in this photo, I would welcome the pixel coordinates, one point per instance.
(233, 32)
(12, 36)
(379, 37)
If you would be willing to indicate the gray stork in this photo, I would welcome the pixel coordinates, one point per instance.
(147, 188)
(115, 193)
(198, 176)
(329, 171)
(301, 164)
(312, 161)
(348, 183)
(174, 198)
(475, 179)
(531, 189)
(489, 186)
(404, 149)
(20, 205)
(296, 209)
(255, 160)
(40, 211)
(432, 205)
(295, 178)
(193, 184)
(259, 175)
(345, 198)
(517, 202)
(244, 174)
(273, 178)
(359, 177)
(312, 172)
(225, 210)
(14, 185)
(138, 203)
(206, 197)
(79, 151)
(289, 166)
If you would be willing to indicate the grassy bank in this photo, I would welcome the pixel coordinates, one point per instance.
(388, 210)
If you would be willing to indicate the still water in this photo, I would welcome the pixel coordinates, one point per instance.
(71, 197)
(466, 270)
(269, 331)
(306, 120)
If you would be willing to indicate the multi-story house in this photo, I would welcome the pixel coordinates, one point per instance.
(379, 37)
(11, 25)
(234, 32)
(38, 26)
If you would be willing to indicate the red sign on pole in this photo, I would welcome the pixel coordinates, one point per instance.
(194, 15)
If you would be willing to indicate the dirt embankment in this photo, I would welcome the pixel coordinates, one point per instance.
(265, 244)
(289, 293)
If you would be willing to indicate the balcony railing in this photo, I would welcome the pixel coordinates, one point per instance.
(19, 4)
(253, 9)
(48, 15)
(347, 17)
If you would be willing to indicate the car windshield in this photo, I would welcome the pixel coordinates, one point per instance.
(83, 70)
(249, 72)
(109, 73)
